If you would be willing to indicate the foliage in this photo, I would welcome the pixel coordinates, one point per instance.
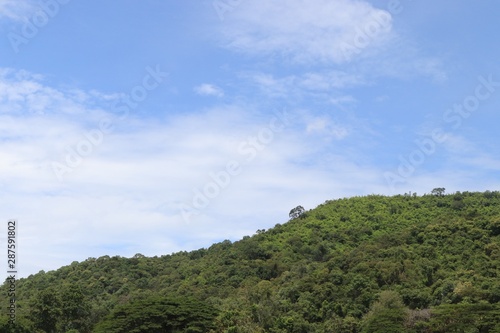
(156, 314)
(17, 327)
(46, 310)
(296, 212)
(387, 315)
(438, 191)
(482, 317)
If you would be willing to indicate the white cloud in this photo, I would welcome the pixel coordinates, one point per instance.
(306, 30)
(431, 67)
(24, 93)
(328, 34)
(464, 153)
(457, 144)
(325, 126)
(207, 89)
(320, 85)
(15, 9)
(404, 59)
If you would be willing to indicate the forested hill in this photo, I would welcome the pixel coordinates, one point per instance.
(397, 264)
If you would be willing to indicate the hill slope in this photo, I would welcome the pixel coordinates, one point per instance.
(364, 264)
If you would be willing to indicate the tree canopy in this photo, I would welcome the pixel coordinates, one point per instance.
(159, 314)
(296, 212)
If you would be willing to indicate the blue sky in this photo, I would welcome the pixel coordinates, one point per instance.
(158, 126)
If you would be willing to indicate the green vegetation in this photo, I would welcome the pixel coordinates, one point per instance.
(159, 314)
(360, 265)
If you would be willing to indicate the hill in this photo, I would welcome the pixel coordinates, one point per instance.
(404, 263)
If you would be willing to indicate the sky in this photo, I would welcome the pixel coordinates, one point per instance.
(159, 126)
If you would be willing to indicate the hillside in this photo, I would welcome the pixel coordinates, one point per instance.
(404, 263)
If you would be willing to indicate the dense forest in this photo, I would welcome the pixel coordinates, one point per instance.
(404, 263)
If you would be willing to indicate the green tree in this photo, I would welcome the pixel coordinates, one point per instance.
(466, 318)
(46, 310)
(17, 327)
(156, 314)
(296, 212)
(438, 191)
(387, 315)
(75, 309)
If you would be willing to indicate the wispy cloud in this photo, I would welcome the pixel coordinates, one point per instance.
(305, 31)
(325, 126)
(324, 86)
(346, 34)
(207, 89)
(402, 58)
(15, 10)
(463, 152)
